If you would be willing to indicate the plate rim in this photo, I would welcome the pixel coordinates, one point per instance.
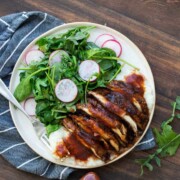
(109, 29)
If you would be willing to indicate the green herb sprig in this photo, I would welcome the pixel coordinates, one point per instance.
(167, 139)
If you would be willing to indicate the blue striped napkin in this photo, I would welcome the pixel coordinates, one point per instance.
(16, 32)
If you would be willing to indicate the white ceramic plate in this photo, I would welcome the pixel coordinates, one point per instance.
(130, 52)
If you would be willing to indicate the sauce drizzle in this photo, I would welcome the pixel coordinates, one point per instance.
(76, 149)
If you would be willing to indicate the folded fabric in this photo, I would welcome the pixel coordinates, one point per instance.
(16, 32)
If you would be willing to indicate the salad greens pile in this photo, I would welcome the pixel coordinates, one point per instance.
(167, 139)
(39, 79)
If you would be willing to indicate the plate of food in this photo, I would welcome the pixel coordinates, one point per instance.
(90, 87)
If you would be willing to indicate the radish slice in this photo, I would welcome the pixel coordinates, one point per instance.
(56, 56)
(35, 47)
(30, 106)
(34, 55)
(102, 38)
(87, 68)
(114, 45)
(66, 90)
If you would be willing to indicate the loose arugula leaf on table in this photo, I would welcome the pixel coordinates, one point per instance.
(167, 139)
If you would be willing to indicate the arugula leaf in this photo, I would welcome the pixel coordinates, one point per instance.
(51, 128)
(178, 116)
(167, 139)
(90, 45)
(166, 136)
(41, 106)
(71, 41)
(40, 83)
(106, 65)
(178, 102)
(98, 53)
(24, 88)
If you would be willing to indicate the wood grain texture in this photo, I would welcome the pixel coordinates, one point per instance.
(154, 26)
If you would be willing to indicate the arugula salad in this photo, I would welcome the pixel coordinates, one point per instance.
(60, 72)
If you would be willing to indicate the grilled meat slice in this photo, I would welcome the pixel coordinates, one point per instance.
(105, 118)
(97, 128)
(127, 98)
(125, 104)
(69, 124)
(114, 109)
(121, 87)
(94, 146)
(136, 104)
(86, 139)
(82, 123)
(140, 99)
(127, 90)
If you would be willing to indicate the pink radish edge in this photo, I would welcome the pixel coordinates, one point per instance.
(31, 110)
(117, 42)
(53, 59)
(40, 55)
(108, 37)
(83, 70)
(34, 47)
(104, 35)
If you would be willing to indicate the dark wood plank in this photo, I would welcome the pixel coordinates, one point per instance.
(160, 14)
(8, 172)
(154, 27)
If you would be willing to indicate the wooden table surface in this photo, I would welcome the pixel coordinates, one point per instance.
(154, 26)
